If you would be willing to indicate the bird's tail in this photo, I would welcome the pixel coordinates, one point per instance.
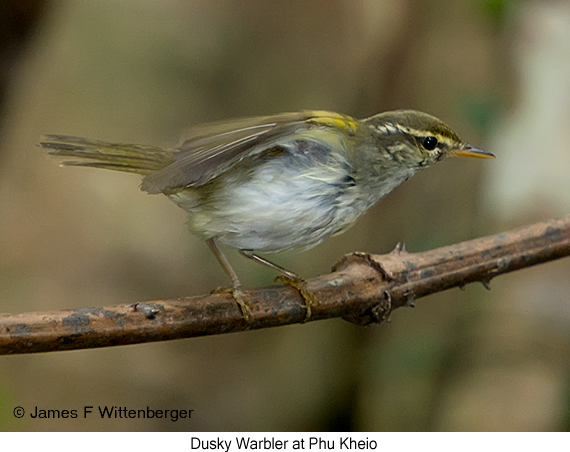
(132, 158)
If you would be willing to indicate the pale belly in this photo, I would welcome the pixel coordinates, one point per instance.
(280, 206)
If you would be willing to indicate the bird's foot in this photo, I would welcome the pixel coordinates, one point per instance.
(301, 285)
(239, 297)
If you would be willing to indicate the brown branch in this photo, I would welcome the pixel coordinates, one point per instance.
(362, 289)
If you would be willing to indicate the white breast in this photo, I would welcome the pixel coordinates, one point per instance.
(286, 202)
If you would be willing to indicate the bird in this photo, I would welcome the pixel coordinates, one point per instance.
(272, 183)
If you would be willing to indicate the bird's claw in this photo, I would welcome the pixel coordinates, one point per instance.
(301, 285)
(239, 297)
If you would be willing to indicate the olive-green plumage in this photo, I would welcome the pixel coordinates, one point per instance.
(277, 182)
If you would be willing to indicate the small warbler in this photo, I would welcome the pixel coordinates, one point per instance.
(271, 183)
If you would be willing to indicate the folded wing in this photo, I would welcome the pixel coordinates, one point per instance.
(215, 148)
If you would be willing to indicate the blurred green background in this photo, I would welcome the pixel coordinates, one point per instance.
(497, 71)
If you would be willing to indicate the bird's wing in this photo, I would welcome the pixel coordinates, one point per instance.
(215, 148)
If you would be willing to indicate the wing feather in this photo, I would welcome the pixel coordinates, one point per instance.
(215, 148)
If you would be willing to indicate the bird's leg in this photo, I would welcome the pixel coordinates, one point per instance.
(287, 277)
(235, 290)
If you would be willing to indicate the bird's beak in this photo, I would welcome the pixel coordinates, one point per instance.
(470, 151)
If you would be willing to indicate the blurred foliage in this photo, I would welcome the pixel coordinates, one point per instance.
(498, 10)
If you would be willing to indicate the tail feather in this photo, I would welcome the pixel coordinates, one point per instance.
(133, 158)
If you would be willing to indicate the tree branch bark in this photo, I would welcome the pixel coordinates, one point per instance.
(362, 288)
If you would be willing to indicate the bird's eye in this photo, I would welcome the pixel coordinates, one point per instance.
(430, 143)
